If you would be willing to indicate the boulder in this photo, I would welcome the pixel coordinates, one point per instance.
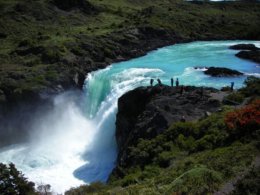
(250, 47)
(68, 5)
(250, 55)
(222, 72)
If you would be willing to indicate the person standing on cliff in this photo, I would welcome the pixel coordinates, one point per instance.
(177, 82)
(151, 82)
(172, 81)
(232, 86)
(159, 82)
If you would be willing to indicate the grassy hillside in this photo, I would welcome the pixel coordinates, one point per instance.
(194, 157)
(50, 44)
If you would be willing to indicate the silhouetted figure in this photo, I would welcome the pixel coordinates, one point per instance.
(183, 119)
(232, 86)
(182, 89)
(159, 82)
(177, 82)
(172, 81)
(151, 82)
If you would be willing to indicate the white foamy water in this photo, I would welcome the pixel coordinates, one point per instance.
(58, 140)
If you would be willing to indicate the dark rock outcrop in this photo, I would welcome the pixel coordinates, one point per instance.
(252, 52)
(2, 35)
(250, 55)
(147, 111)
(222, 72)
(250, 47)
(68, 5)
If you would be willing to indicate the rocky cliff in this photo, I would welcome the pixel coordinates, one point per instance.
(147, 111)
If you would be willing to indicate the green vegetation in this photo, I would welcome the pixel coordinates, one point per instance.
(46, 42)
(12, 181)
(191, 157)
(249, 185)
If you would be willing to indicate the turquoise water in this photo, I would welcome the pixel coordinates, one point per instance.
(75, 142)
(175, 61)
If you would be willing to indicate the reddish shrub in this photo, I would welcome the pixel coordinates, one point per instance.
(245, 120)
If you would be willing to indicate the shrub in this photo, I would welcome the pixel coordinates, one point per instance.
(236, 97)
(187, 129)
(244, 121)
(185, 143)
(199, 180)
(94, 187)
(26, 43)
(130, 179)
(252, 87)
(249, 185)
(165, 158)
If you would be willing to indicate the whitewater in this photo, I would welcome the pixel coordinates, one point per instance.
(74, 143)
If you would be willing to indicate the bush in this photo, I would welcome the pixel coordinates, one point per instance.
(26, 43)
(165, 158)
(130, 179)
(244, 121)
(252, 87)
(87, 189)
(249, 185)
(184, 128)
(236, 97)
(185, 143)
(199, 180)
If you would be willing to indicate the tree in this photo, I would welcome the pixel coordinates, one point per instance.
(44, 189)
(13, 182)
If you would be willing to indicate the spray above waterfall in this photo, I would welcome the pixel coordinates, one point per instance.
(57, 141)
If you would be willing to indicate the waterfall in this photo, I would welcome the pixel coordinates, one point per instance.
(74, 142)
